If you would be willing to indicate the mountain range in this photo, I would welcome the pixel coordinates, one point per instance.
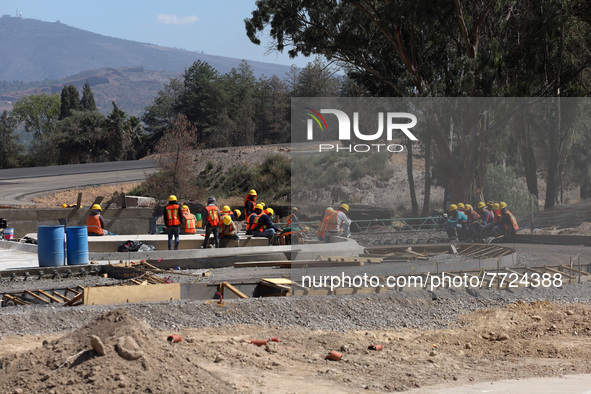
(40, 57)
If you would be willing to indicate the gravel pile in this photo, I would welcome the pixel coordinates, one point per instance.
(416, 309)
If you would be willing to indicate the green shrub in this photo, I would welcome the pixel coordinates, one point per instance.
(504, 185)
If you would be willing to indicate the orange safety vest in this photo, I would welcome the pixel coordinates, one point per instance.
(250, 221)
(172, 215)
(497, 213)
(513, 221)
(190, 223)
(331, 223)
(291, 218)
(93, 224)
(213, 215)
(255, 222)
(322, 228)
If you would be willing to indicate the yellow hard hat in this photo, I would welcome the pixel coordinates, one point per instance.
(96, 206)
(345, 206)
(237, 213)
(252, 192)
(461, 205)
(270, 211)
(295, 209)
(481, 204)
(453, 207)
(227, 220)
(64, 205)
(226, 208)
(329, 210)
(263, 204)
(185, 209)
(502, 205)
(495, 206)
(468, 207)
(259, 206)
(172, 197)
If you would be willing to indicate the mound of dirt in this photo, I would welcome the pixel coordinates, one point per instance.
(136, 359)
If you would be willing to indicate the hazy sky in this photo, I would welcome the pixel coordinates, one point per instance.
(215, 27)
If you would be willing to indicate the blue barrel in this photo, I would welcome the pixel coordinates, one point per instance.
(77, 245)
(51, 248)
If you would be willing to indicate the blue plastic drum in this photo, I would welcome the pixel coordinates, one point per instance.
(77, 245)
(51, 248)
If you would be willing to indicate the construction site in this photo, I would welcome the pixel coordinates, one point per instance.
(395, 307)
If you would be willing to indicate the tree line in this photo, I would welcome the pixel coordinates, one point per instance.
(68, 129)
(232, 109)
(397, 48)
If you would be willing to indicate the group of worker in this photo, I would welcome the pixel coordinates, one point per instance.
(259, 218)
(335, 223)
(219, 223)
(487, 220)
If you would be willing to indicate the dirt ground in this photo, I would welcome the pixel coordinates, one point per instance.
(55, 200)
(518, 341)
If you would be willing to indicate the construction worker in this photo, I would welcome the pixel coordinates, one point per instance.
(95, 223)
(472, 215)
(461, 207)
(249, 202)
(486, 216)
(224, 212)
(270, 213)
(473, 223)
(190, 221)
(508, 223)
(263, 226)
(339, 223)
(324, 223)
(496, 212)
(456, 220)
(250, 219)
(229, 230)
(174, 221)
(293, 218)
(237, 214)
(212, 223)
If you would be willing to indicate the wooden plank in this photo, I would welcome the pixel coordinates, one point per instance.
(131, 294)
(234, 290)
(63, 297)
(575, 270)
(249, 264)
(29, 292)
(559, 272)
(75, 300)
(16, 300)
(54, 299)
(72, 290)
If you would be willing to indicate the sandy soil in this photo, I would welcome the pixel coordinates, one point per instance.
(520, 340)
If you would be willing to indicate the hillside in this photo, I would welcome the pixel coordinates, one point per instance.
(132, 88)
(33, 50)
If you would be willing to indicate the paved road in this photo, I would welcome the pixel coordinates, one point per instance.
(19, 185)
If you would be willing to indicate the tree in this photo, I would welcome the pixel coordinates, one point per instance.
(82, 138)
(39, 114)
(87, 102)
(69, 102)
(161, 114)
(240, 85)
(9, 147)
(174, 158)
